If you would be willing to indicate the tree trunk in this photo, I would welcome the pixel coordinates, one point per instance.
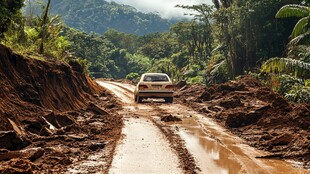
(44, 27)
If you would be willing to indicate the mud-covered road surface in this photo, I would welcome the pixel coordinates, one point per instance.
(173, 138)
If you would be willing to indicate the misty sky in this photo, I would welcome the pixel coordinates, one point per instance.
(165, 8)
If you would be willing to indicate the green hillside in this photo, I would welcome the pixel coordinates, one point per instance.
(98, 16)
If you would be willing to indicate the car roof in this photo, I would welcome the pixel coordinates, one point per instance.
(155, 74)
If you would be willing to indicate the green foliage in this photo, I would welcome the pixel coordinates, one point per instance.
(286, 83)
(286, 65)
(292, 10)
(196, 36)
(9, 9)
(99, 16)
(247, 32)
(299, 94)
(107, 60)
(158, 46)
(196, 80)
(132, 76)
(84, 63)
(165, 66)
(294, 89)
(218, 73)
(220, 43)
(138, 63)
(40, 34)
(122, 40)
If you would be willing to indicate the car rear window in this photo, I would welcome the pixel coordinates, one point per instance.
(155, 78)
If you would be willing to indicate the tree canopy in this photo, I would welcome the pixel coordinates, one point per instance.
(8, 9)
(98, 16)
(221, 42)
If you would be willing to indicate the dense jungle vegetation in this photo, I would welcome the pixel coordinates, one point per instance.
(98, 16)
(269, 39)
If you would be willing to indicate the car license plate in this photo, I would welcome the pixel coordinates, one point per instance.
(156, 86)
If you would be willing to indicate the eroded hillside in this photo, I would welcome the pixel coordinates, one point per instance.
(51, 115)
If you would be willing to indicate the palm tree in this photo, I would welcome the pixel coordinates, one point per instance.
(298, 68)
(300, 36)
(293, 10)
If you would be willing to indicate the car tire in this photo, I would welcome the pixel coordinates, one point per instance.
(169, 100)
(139, 99)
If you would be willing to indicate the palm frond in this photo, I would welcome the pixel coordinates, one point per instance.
(287, 65)
(218, 48)
(303, 39)
(292, 10)
(300, 27)
(53, 19)
(216, 68)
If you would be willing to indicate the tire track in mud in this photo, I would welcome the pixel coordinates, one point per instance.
(186, 162)
(227, 153)
(176, 143)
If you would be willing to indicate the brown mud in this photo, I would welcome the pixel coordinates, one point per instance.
(147, 111)
(52, 116)
(257, 114)
(201, 145)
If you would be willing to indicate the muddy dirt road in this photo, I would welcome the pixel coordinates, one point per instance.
(196, 144)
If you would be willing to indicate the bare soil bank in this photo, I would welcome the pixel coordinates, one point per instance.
(51, 115)
(254, 112)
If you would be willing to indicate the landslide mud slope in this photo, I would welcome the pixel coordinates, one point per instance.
(53, 117)
(254, 112)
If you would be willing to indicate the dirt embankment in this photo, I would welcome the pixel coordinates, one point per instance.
(254, 112)
(51, 115)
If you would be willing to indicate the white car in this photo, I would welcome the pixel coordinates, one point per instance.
(154, 85)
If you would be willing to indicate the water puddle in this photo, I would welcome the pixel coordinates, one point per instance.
(205, 157)
(217, 151)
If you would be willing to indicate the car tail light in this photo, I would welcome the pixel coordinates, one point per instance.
(170, 86)
(142, 87)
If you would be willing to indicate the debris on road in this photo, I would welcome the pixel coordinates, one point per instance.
(170, 118)
(254, 112)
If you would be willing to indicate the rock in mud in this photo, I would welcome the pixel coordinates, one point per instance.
(170, 118)
(282, 140)
(96, 146)
(12, 141)
(96, 109)
(59, 120)
(31, 154)
(37, 126)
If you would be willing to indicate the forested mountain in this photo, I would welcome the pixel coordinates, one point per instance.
(98, 16)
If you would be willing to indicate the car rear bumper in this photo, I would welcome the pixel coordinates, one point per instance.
(152, 94)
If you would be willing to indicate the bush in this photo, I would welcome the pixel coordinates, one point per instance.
(286, 83)
(294, 89)
(299, 94)
(195, 80)
(132, 76)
